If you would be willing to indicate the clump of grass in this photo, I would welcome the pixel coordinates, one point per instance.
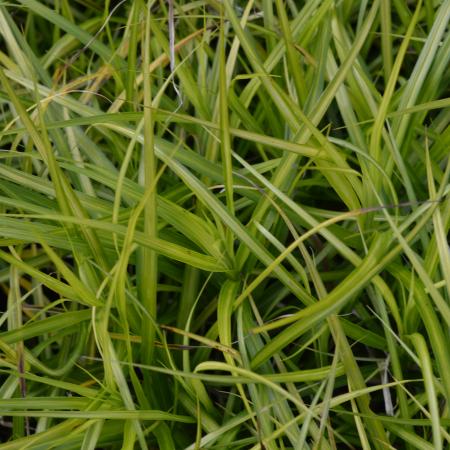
(224, 225)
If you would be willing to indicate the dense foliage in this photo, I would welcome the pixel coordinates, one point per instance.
(224, 224)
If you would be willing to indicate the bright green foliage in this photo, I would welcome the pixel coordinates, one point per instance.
(224, 224)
